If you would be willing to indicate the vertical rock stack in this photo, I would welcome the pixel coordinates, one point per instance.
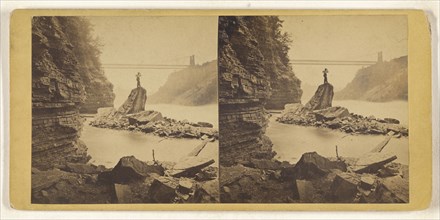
(244, 88)
(66, 79)
(322, 99)
(135, 102)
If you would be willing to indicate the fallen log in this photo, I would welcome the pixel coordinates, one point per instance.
(196, 151)
(381, 145)
(189, 166)
(372, 162)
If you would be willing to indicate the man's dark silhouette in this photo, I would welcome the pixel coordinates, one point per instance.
(138, 79)
(325, 75)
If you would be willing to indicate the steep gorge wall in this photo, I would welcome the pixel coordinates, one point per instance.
(244, 88)
(274, 46)
(58, 92)
(195, 85)
(381, 82)
(99, 91)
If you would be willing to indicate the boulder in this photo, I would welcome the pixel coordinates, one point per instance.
(205, 124)
(367, 182)
(208, 192)
(185, 185)
(331, 113)
(135, 102)
(163, 190)
(393, 190)
(190, 166)
(131, 169)
(305, 190)
(123, 193)
(312, 165)
(322, 99)
(344, 188)
(391, 120)
(144, 117)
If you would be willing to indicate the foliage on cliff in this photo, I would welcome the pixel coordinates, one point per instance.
(274, 46)
(381, 82)
(86, 47)
(195, 85)
(66, 75)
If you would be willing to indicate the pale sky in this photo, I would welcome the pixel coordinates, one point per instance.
(343, 38)
(152, 40)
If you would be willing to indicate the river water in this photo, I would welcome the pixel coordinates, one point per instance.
(291, 141)
(107, 146)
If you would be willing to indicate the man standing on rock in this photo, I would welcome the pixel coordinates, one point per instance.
(138, 79)
(325, 75)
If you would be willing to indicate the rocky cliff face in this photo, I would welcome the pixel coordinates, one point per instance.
(244, 87)
(58, 91)
(381, 82)
(274, 46)
(195, 85)
(322, 99)
(99, 91)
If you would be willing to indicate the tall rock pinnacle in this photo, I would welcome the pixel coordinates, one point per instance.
(135, 102)
(322, 99)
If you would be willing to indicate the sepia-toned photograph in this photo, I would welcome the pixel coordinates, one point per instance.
(313, 109)
(124, 110)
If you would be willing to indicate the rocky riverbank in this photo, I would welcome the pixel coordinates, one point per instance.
(318, 112)
(152, 122)
(339, 118)
(132, 116)
(373, 178)
(192, 179)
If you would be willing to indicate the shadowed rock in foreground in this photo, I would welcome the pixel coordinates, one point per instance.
(130, 181)
(315, 179)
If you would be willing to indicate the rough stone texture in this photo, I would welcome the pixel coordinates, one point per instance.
(130, 169)
(244, 88)
(57, 92)
(144, 117)
(331, 113)
(322, 99)
(381, 82)
(312, 165)
(135, 102)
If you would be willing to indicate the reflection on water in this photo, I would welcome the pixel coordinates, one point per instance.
(291, 141)
(107, 146)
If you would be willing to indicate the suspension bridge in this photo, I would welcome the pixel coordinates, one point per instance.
(293, 62)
